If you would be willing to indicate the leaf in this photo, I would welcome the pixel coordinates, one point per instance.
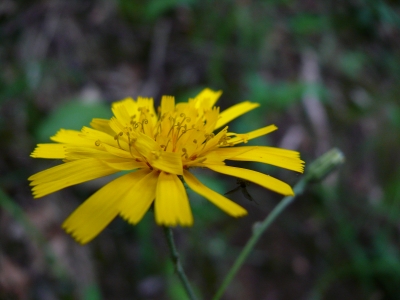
(71, 115)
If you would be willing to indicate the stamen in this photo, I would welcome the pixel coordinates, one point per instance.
(165, 149)
(144, 121)
(182, 133)
(131, 144)
(208, 137)
(158, 129)
(173, 125)
(184, 154)
(137, 124)
(179, 129)
(222, 140)
(116, 137)
(227, 138)
(187, 119)
(157, 154)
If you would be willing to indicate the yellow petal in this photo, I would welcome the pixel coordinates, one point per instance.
(72, 137)
(212, 117)
(172, 204)
(228, 152)
(245, 137)
(167, 105)
(116, 151)
(222, 202)
(270, 156)
(169, 162)
(96, 135)
(128, 106)
(67, 174)
(235, 111)
(91, 217)
(124, 164)
(210, 158)
(137, 200)
(117, 125)
(49, 151)
(281, 152)
(213, 141)
(73, 153)
(122, 109)
(145, 145)
(102, 125)
(148, 104)
(256, 177)
(207, 98)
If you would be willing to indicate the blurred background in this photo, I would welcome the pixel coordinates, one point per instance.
(325, 72)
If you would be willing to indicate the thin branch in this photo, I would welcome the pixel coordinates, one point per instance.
(177, 262)
(317, 170)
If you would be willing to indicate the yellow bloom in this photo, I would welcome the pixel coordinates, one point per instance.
(160, 147)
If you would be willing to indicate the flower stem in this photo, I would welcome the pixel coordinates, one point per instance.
(177, 262)
(316, 172)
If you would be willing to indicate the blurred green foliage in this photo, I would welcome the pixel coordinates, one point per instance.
(73, 115)
(339, 241)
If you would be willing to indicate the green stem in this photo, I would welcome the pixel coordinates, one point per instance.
(177, 262)
(317, 170)
(257, 233)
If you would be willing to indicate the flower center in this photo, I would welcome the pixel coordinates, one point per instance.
(188, 133)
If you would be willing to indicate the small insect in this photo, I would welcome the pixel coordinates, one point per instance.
(242, 185)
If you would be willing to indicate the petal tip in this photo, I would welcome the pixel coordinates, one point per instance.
(291, 193)
(129, 219)
(242, 214)
(73, 233)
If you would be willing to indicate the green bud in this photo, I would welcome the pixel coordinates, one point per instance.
(324, 165)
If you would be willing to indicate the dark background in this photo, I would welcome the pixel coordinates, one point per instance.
(325, 72)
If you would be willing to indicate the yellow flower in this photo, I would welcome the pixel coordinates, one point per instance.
(160, 148)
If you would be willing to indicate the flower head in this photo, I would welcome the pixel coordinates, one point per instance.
(159, 147)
